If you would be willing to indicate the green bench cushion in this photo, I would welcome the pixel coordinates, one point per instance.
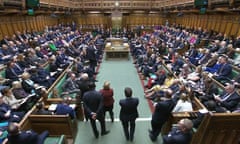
(55, 140)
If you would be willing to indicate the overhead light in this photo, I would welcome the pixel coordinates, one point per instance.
(94, 12)
(116, 3)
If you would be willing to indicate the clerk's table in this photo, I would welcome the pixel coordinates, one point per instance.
(116, 48)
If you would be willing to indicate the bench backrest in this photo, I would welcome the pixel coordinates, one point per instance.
(55, 124)
(218, 128)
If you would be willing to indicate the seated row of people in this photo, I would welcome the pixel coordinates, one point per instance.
(185, 72)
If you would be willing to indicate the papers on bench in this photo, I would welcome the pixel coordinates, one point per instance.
(38, 87)
(59, 69)
(25, 99)
(52, 73)
(73, 106)
(53, 107)
(203, 111)
(210, 74)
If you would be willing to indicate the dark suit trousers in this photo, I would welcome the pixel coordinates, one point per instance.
(101, 119)
(156, 129)
(42, 137)
(129, 132)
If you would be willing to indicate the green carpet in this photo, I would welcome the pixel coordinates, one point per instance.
(120, 73)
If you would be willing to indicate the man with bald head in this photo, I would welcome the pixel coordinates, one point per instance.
(182, 134)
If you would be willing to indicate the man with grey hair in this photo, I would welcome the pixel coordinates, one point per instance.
(228, 100)
(181, 134)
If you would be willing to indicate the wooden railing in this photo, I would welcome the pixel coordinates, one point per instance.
(218, 128)
(57, 3)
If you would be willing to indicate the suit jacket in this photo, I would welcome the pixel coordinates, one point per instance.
(61, 61)
(69, 85)
(83, 86)
(63, 109)
(128, 109)
(231, 102)
(11, 74)
(91, 55)
(177, 137)
(225, 70)
(14, 116)
(162, 111)
(93, 102)
(27, 137)
(19, 93)
(28, 87)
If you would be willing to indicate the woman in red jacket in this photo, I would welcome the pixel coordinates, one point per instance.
(108, 99)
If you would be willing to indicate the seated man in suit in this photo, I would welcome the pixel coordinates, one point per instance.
(224, 71)
(40, 110)
(182, 134)
(12, 71)
(70, 85)
(228, 100)
(15, 136)
(64, 108)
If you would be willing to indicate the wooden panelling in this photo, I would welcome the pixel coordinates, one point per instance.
(226, 24)
(4, 29)
(234, 30)
(10, 25)
(228, 28)
(223, 26)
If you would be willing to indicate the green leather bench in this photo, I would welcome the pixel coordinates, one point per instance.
(56, 140)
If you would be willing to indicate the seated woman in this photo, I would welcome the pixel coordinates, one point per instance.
(10, 99)
(6, 113)
(183, 104)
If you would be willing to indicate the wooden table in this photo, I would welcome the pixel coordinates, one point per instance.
(117, 53)
(116, 48)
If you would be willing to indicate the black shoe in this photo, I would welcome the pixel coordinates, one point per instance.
(150, 131)
(105, 133)
(97, 135)
(152, 137)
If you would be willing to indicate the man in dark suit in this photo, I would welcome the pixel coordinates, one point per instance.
(182, 134)
(93, 105)
(228, 100)
(70, 85)
(15, 136)
(64, 108)
(224, 71)
(161, 114)
(128, 113)
(91, 56)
